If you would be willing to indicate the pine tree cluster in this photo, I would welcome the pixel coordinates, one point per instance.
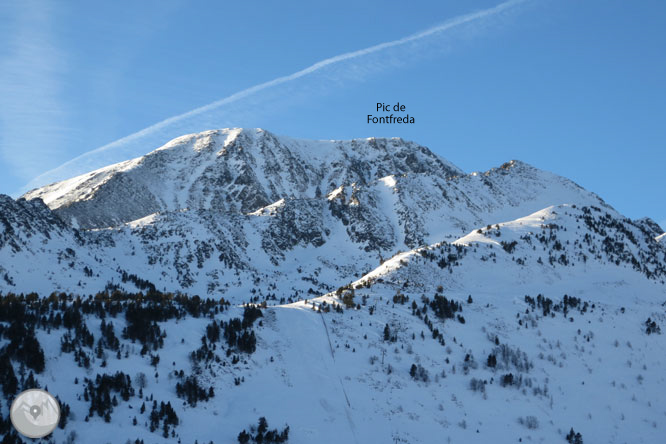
(651, 327)
(548, 307)
(192, 392)
(261, 434)
(167, 415)
(8, 379)
(99, 393)
(444, 308)
(21, 316)
(574, 438)
(238, 333)
(23, 345)
(419, 373)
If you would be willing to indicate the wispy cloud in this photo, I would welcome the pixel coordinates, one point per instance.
(178, 125)
(32, 114)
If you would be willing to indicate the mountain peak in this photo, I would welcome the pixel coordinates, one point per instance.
(231, 170)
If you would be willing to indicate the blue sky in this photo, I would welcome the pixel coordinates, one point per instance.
(577, 88)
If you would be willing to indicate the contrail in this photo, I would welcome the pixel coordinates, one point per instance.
(450, 24)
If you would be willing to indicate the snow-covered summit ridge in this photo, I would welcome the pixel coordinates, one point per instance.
(231, 170)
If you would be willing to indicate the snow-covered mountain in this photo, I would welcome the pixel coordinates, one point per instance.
(405, 300)
(223, 209)
(231, 170)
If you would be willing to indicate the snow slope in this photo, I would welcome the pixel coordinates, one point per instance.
(333, 378)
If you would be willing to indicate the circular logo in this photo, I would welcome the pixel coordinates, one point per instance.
(35, 413)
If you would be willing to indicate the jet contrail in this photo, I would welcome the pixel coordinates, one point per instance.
(450, 24)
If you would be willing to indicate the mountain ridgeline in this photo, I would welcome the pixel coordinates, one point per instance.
(231, 171)
(238, 209)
